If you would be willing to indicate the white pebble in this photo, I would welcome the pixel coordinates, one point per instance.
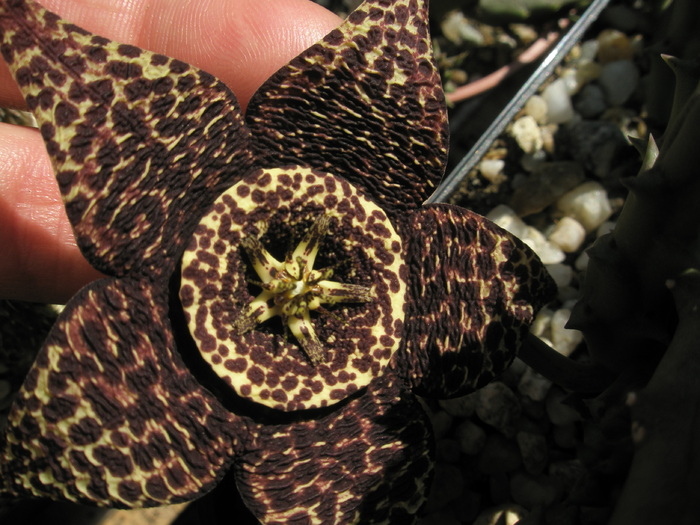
(587, 203)
(564, 340)
(568, 234)
(572, 81)
(507, 219)
(545, 250)
(619, 80)
(527, 134)
(540, 326)
(589, 50)
(492, 169)
(559, 107)
(561, 273)
(536, 107)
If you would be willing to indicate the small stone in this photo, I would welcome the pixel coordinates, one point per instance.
(507, 219)
(508, 514)
(588, 50)
(587, 203)
(470, 437)
(536, 107)
(565, 436)
(591, 101)
(545, 250)
(559, 107)
(532, 491)
(559, 413)
(568, 234)
(548, 182)
(581, 262)
(564, 340)
(527, 134)
(614, 45)
(499, 455)
(442, 421)
(618, 80)
(458, 29)
(447, 486)
(462, 406)
(561, 273)
(447, 450)
(492, 169)
(605, 228)
(540, 326)
(595, 144)
(567, 473)
(587, 71)
(534, 385)
(498, 407)
(533, 449)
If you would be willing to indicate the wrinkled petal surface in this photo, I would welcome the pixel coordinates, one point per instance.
(365, 103)
(368, 462)
(139, 141)
(109, 415)
(474, 289)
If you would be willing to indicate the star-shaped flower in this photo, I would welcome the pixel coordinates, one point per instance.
(277, 293)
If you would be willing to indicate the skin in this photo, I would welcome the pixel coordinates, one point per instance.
(240, 41)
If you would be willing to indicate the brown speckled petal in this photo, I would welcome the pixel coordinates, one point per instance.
(109, 415)
(364, 103)
(368, 462)
(139, 141)
(473, 291)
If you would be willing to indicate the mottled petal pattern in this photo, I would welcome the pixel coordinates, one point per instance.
(109, 415)
(368, 462)
(139, 141)
(263, 363)
(365, 103)
(474, 289)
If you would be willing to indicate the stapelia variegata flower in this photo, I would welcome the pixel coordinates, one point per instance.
(277, 292)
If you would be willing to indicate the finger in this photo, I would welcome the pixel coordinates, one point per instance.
(240, 41)
(40, 260)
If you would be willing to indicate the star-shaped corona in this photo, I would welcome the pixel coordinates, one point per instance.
(292, 289)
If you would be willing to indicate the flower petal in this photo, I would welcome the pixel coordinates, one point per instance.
(473, 291)
(109, 414)
(139, 141)
(364, 103)
(368, 462)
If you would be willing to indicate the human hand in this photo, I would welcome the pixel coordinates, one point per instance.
(242, 42)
